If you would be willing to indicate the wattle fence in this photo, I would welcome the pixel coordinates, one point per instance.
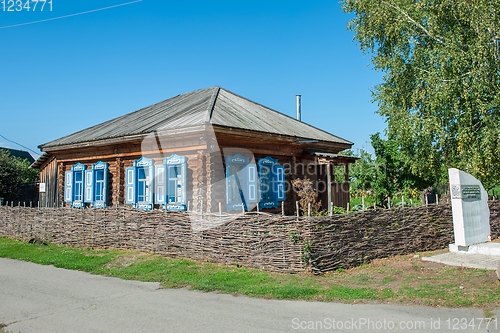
(275, 243)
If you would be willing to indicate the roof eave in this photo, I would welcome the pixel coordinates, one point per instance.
(121, 139)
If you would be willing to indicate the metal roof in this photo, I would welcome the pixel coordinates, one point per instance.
(24, 155)
(213, 105)
(334, 156)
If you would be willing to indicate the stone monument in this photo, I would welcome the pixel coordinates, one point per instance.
(471, 215)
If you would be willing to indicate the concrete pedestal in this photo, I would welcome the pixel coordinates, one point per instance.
(489, 249)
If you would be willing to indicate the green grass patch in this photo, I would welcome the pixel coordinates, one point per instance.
(401, 279)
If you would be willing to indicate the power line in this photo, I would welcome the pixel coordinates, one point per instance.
(60, 17)
(34, 152)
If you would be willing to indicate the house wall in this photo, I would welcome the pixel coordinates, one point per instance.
(48, 175)
(206, 185)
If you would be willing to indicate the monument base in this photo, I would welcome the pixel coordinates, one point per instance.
(489, 249)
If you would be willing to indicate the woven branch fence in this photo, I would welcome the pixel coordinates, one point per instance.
(275, 243)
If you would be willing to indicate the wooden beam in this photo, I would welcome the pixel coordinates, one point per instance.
(329, 185)
(137, 153)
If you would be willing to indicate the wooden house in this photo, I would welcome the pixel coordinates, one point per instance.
(204, 150)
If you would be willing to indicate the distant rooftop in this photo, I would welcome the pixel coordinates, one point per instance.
(24, 155)
(214, 105)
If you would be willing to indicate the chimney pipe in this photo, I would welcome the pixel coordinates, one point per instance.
(298, 108)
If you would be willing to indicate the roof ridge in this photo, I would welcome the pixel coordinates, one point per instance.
(211, 104)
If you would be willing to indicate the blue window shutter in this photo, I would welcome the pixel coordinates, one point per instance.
(184, 182)
(89, 186)
(160, 184)
(279, 182)
(151, 184)
(228, 185)
(68, 186)
(105, 188)
(130, 196)
(252, 193)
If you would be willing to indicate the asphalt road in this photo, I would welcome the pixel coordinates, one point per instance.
(37, 298)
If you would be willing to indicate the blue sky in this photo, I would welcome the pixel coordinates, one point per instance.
(64, 75)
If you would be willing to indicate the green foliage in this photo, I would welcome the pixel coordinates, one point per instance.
(339, 210)
(362, 173)
(385, 176)
(306, 252)
(295, 237)
(441, 88)
(393, 175)
(14, 172)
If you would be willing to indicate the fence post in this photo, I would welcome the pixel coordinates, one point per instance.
(426, 200)
(411, 202)
(437, 200)
(363, 202)
(220, 209)
(282, 208)
(309, 209)
(331, 211)
(403, 201)
(375, 205)
(389, 202)
(297, 208)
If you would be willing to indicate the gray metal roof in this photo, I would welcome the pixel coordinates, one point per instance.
(213, 105)
(24, 155)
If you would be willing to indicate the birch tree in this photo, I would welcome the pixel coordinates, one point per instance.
(440, 93)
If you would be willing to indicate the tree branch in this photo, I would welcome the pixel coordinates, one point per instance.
(414, 22)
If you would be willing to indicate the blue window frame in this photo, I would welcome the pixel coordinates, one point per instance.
(96, 185)
(236, 182)
(74, 181)
(170, 183)
(100, 193)
(241, 183)
(143, 177)
(139, 184)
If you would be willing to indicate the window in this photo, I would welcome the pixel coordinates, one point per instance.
(143, 177)
(96, 185)
(74, 185)
(241, 183)
(78, 186)
(139, 184)
(174, 184)
(170, 183)
(99, 185)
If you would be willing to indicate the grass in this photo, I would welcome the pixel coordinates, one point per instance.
(495, 191)
(369, 201)
(397, 280)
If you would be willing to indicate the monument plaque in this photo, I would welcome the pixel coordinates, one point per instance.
(471, 192)
(471, 215)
